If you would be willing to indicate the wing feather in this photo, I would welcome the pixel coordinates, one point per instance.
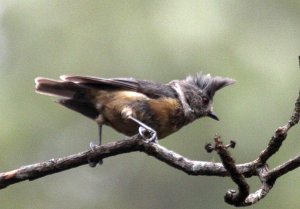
(149, 88)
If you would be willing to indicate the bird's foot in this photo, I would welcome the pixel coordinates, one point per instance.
(93, 162)
(149, 135)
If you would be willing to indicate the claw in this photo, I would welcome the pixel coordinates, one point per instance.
(93, 163)
(144, 132)
(143, 129)
(153, 138)
(93, 146)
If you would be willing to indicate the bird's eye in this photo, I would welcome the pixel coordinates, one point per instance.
(205, 100)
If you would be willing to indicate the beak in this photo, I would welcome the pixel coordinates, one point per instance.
(213, 115)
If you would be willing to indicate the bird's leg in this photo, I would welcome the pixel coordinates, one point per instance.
(127, 113)
(93, 163)
(143, 128)
(100, 134)
(92, 145)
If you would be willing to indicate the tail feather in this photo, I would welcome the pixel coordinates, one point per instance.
(51, 87)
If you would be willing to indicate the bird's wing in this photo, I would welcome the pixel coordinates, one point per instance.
(149, 88)
(96, 82)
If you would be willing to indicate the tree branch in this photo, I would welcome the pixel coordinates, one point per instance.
(241, 197)
(136, 143)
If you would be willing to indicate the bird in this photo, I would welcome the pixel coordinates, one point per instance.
(132, 106)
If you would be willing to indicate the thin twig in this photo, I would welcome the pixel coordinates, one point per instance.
(241, 197)
(232, 197)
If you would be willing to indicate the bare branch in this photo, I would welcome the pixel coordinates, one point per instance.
(283, 169)
(38, 170)
(268, 178)
(257, 167)
(136, 143)
(238, 173)
(264, 189)
(232, 197)
(273, 146)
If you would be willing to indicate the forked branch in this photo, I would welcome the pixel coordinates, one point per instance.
(238, 172)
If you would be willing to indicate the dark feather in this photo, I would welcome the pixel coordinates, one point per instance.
(55, 88)
(65, 89)
(208, 83)
(149, 88)
(102, 83)
(85, 108)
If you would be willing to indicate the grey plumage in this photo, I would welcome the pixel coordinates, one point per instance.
(208, 83)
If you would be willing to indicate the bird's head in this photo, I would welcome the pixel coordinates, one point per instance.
(199, 91)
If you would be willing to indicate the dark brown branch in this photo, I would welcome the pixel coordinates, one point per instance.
(38, 170)
(228, 167)
(232, 197)
(264, 189)
(273, 146)
(283, 169)
(280, 135)
(268, 178)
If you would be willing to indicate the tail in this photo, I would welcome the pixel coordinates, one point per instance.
(64, 89)
(71, 95)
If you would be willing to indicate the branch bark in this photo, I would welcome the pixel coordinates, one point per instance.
(136, 143)
(238, 173)
(241, 197)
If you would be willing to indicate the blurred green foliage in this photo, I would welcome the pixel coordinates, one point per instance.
(255, 42)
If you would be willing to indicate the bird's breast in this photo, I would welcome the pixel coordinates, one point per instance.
(168, 115)
(164, 115)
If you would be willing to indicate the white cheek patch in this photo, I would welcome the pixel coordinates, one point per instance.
(186, 107)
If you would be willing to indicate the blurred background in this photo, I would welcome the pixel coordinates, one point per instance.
(255, 42)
